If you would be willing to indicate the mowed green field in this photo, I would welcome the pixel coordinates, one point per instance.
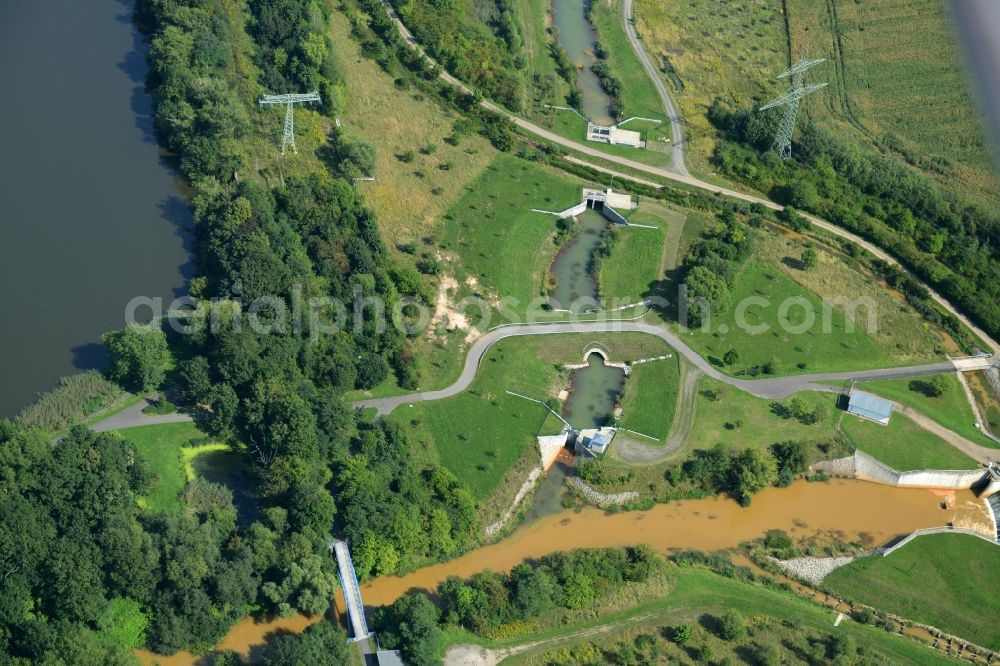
(481, 433)
(774, 326)
(161, 446)
(903, 445)
(641, 255)
(740, 420)
(649, 397)
(492, 236)
(945, 580)
(951, 409)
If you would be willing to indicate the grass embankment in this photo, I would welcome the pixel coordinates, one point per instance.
(638, 96)
(483, 433)
(164, 447)
(903, 445)
(739, 420)
(408, 196)
(894, 69)
(897, 328)
(697, 597)
(640, 256)
(951, 409)
(492, 236)
(649, 397)
(777, 329)
(945, 580)
(987, 401)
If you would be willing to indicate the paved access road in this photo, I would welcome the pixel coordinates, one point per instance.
(774, 387)
(132, 417)
(673, 115)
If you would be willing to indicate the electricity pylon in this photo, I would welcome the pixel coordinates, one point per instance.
(288, 137)
(790, 100)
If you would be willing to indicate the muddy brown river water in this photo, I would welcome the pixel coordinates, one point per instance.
(847, 510)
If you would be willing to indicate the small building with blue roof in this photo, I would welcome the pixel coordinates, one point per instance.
(869, 406)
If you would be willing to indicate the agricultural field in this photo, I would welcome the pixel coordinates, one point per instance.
(481, 434)
(649, 397)
(951, 409)
(945, 580)
(640, 256)
(791, 626)
(418, 174)
(903, 445)
(896, 78)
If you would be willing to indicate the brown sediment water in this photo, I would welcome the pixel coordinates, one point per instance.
(245, 637)
(841, 509)
(847, 510)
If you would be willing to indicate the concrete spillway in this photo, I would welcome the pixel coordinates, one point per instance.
(352, 592)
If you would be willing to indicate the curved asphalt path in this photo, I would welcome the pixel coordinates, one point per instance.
(775, 387)
(673, 115)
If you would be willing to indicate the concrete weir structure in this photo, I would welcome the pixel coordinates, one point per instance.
(614, 135)
(603, 201)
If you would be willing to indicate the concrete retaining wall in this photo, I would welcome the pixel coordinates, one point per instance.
(869, 469)
(933, 530)
(614, 216)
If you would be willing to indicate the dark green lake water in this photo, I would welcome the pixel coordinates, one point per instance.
(595, 389)
(576, 35)
(90, 215)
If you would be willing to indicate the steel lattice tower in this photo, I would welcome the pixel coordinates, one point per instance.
(790, 100)
(290, 100)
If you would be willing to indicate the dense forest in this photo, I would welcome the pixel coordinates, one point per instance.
(950, 245)
(88, 570)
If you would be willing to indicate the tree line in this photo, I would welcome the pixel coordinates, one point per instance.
(490, 603)
(950, 245)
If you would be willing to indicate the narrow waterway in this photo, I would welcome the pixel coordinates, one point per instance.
(841, 509)
(594, 391)
(90, 215)
(576, 35)
(576, 289)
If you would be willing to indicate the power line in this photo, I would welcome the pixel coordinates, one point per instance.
(790, 100)
(289, 100)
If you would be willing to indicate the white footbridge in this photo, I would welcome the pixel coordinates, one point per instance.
(352, 592)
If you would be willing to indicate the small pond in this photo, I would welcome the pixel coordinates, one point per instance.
(576, 35)
(594, 391)
(576, 288)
